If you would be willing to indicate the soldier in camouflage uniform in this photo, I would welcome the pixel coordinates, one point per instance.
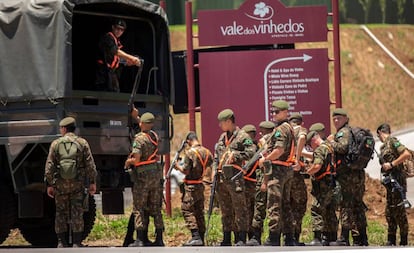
(322, 170)
(147, 176)
(298, 191)
(232, 149)
(392, 156)
(259, 214)
(69, 193)
(197, 159)
(352, 185)
(281, 152)
(250, 182)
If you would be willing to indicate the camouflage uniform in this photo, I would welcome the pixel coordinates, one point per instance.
(147, 192)
(279, 178)
(260, 202)
(323, 184)
(196, 161)
(250, 193)
(69, 193)
(352, 187)
(231, 194)
(395, 213)
(298, 192)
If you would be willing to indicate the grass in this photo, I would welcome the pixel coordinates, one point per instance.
(113, 228)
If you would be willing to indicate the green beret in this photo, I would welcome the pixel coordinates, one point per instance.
(318, 127)
(310, 135)
(225, 115)
(339, 111)
(267, 124)
(281, 105)
(67, 121)
(249, 128)
(296, 115)
(147, 118)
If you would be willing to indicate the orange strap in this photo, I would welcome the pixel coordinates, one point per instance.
(115, 63)
(328, 168)
(291, 159)
(203, 164)
(250, 172)
(152, 158)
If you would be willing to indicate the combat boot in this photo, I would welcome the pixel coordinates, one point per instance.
(255, 240)
(404, 240)
(391, 240)
(290, 240)
(139, 241)
(195, 239)
(325, 238)
(363, 237)
(77, 240)
(145, 239)
(62, 242)
(158, 238)
(316, 239)
(241, 238)
(356, 240)
(273, 239)
(226, 239)
(343, 240)
(129, 237)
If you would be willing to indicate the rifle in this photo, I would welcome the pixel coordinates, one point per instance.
(174, 161)
(131, 98)
(212, 193)
(254, 159)
(389, 181)
(250, 163)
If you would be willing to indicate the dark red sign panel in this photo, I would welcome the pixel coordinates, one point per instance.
(252, 80)
(262, 22)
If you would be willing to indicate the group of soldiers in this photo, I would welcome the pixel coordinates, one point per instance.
(263, 178)
(253, 179)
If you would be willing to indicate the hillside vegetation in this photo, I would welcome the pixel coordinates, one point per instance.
(374, 88)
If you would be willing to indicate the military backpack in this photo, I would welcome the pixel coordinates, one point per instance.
(360, 149)
(68, 151)
(408, 168)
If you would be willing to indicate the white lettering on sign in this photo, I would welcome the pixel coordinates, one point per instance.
(290, 82)
(263, 28)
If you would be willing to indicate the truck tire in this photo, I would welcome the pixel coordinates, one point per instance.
(40, 232)
(7, 212)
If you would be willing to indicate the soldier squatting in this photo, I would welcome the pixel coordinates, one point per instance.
(262, 177)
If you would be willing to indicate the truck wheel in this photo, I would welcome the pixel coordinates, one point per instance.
(40, 232)
(7, 212)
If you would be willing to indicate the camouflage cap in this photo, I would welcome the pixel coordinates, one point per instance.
(267, 124)
(280, 104)
(67, 121)
(296, 115)
(147, 118)
(339, 111)
(225, 114)
(309, 136)
(249, 128)
(318, 127)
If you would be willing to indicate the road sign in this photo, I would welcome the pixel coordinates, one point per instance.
(252, 80)
(262, 22)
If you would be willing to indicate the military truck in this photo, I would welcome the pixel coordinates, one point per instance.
(49, 52)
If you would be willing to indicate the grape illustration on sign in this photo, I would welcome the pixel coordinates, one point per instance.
(265, 12)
